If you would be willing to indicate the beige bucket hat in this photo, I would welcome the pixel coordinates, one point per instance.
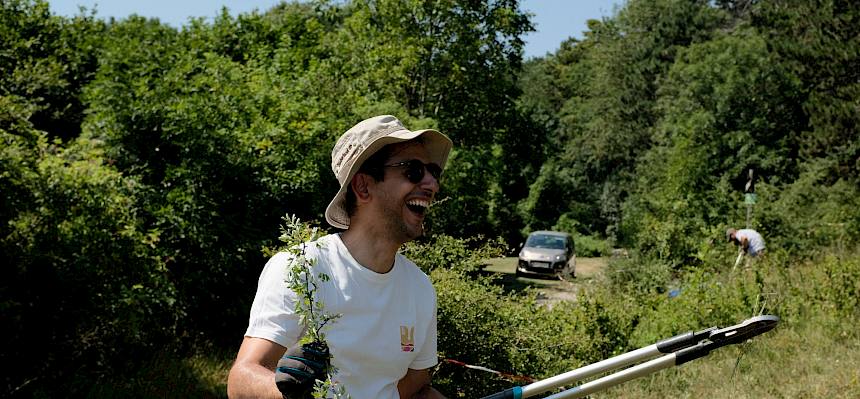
(363, 140)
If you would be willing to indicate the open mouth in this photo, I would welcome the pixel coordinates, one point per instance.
(418, 206)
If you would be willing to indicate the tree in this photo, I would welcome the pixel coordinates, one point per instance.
(48, 60)
(725, 107)
(608, 118)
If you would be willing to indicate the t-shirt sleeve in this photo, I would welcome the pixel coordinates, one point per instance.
(273, 315)
(427, 357)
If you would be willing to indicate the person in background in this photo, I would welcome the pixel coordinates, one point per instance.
(750, 241)
(384, 343)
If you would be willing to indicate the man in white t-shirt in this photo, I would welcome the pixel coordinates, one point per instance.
(384, 343)
(749, 240)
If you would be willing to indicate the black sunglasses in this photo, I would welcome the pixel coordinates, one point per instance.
(414, 171)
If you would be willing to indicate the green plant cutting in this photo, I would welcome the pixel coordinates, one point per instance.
(296, 235)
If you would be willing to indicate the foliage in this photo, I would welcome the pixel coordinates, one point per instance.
(706, 143)
(297, 236)
(609, 82)
(142, 167)
(446, 252)
(639, 275)
(586, 245)
(818, 42)
(207, 138)
(83, 285)
(48, 60)
(513, 334)
(814, 212)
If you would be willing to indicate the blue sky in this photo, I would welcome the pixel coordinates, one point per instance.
(555, 20)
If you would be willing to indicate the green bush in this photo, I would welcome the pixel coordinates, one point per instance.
(702, 300)
(638, 275)
(480, 324)
(818, 210)
(591, 246)
(83, 286)
(586, 245)
(446, 252)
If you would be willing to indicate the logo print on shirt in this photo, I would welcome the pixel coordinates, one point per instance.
(407, 339)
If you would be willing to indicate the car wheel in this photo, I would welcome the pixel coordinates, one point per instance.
(517, 272)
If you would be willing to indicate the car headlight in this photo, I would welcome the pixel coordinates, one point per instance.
(559, 257)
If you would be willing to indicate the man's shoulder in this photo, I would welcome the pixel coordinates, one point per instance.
(320, 248)
(412, 269)
(321, 244)
(408, 262)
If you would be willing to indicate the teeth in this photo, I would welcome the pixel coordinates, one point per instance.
(421, 203)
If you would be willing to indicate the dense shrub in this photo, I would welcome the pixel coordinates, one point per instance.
(638, 275)
(48, 60)
(591, 246)
(482, 325)
(818, 210)
(81, 284)
(512, 333)
(446, 252)
(586, 245)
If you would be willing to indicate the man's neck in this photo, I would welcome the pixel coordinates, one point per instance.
(370, 248)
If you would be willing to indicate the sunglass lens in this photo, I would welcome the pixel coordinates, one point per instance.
(435, 170)
(415, 171)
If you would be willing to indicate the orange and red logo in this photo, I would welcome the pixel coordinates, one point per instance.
(407, 339)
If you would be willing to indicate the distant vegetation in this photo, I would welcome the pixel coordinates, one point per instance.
(144, 167)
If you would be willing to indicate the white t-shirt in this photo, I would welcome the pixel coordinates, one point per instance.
(388, 321)
(754, 238)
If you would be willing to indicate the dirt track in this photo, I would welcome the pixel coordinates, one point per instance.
(550, 289)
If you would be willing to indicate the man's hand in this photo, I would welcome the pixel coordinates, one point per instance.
(300, 367)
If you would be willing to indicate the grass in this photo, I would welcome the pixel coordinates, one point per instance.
(816, 355)
(813, 353)
(803, 360)
(203, 375)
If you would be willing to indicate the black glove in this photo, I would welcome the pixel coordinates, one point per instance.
(300, 367)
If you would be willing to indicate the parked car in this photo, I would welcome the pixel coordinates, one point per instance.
(548, 252)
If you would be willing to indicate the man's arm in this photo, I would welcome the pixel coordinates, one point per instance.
(416, 385)
(253, 372)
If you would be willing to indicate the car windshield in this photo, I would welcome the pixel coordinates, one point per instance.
(545, 241)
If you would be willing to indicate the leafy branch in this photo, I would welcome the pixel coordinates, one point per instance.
(297, 236)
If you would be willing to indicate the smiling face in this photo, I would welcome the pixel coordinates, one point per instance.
(399, 205)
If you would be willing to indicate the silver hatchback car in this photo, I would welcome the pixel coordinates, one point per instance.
(550, 252)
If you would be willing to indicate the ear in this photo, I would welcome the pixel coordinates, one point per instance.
(361, 187)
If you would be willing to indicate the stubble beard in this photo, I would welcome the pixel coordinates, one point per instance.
(397, 227)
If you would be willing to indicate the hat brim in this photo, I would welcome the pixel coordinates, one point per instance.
(438, 146)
